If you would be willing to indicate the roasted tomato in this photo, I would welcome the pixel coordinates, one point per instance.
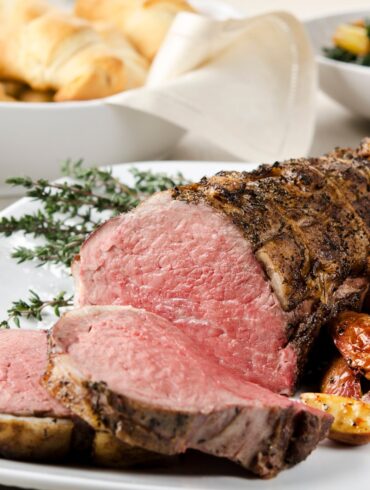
(351, 333)
(351, 417)
(341, 380)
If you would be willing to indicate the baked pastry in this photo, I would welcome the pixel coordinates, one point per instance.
(4, 97)
(136, 65)
(13, 88)
(53, 50)
(30, 95)
(144, 22)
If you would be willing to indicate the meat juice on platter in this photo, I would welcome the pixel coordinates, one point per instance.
(196, 312)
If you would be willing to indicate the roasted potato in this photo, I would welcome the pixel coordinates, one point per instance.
(341, 380)
(351, 417)
(35, 438)
(351, 333)
(111, 452)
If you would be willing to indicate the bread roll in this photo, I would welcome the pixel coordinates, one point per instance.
(53, 50)
(136, 65)
(144, 22)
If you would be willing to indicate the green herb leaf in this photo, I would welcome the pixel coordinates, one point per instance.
(339, 54)
(72, 210)
(34, 308)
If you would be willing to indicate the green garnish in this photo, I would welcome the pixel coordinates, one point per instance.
(69, 212)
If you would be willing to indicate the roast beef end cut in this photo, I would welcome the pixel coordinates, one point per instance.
(142, 378)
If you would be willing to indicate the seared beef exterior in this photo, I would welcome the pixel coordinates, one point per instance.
(140, 377)
(308, 221)
(249, 265)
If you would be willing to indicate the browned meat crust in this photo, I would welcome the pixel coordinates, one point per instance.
(281, 437)
(102, 447)
(308, 221)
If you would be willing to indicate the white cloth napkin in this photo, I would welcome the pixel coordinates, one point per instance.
(247, 85)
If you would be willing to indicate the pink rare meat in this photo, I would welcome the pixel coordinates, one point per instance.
(191, 265)
(147, 382)
(23, 360)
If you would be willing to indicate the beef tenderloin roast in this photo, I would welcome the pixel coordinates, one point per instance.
(249, 265)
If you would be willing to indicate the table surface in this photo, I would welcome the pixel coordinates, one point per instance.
(335, 125)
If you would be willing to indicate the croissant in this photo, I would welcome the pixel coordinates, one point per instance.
(30, 95)
(136, 65)
(53, 50)
(13, 89)
(4, 97)
(144, 22)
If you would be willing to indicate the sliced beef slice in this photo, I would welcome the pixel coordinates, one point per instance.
(249, 265)
(140, 377)
(36, 427)
(33, 425)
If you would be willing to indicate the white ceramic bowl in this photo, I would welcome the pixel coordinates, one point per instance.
(347, 83)
(36, 138)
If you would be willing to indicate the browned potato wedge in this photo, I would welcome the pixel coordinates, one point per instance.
(341, 380)
(351, 417)
(111, 452)
(35, 438)
(46, 439)
(351, 333)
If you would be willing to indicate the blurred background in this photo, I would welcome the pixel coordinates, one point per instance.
(335, 125)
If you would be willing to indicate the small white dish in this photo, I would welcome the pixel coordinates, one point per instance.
(347, 83)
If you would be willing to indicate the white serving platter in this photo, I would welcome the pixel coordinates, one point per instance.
(330, 467)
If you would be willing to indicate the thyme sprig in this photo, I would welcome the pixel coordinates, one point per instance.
(71, 210)
(34, 307)
(42, 224)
